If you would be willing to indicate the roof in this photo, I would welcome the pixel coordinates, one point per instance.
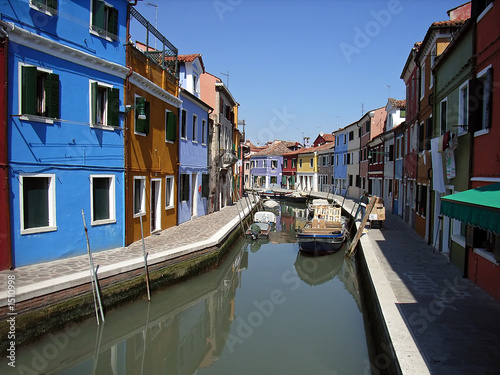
(453, 24)
(277, 148)
(478, 207)
(397, 103)
(324, 146)
(191, 58)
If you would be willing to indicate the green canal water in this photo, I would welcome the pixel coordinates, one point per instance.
(266, 310)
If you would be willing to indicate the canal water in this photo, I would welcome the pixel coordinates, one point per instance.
(267, 309)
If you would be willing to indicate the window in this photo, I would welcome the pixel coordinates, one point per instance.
(183, 124)
(422, 81)
(300, 163)
(421, 200)
(351, 135)
(39, 92)
(170, 126)
(345, 138)
(311, 162)
(391, 152)
(195, 83)
(274, 164)
(338, 140)
(104, 105)
(252, 164)
(195, 128)
(47, 6)
(184, 187)
(37, 199)
(204, 132)
(102, 199)
(483, 97)
(139, 196)
(169, 192)
(325, 160)
(104, 19)
(367, 126)
(274, 180)
(205, 183)
(264, 163)
(443, 116)
(433, 57)
(463, 108)
(337, 160)
(402, 113)
(142, 116)
(345, 159)
(285, 163)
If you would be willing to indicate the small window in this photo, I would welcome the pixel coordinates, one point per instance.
(104, 105)
(205, 185)
(39, 92)
(351, 135)
(169, 192)
(195, 84)
(104, 19)
(102, 199)
(285, 163)
(311, 162)
(170, 126)
(443, 117)
(274, 164)
(203, 132)
(184, 124)
(142, 115)
(300, 163)
(294, 163)
(47, 6)
(139, 196)
(463, 109)
(195, 128)
(37, 199)
(184, 187)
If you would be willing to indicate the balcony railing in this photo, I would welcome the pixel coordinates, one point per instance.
(166, 57)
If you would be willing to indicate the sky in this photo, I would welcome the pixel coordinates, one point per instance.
(300, 67)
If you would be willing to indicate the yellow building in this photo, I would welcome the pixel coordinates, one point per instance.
(307, 170)
(151, 142)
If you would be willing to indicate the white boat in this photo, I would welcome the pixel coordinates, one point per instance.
(270, 204)
(265, 217)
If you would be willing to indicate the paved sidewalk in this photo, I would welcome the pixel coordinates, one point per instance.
(199, 233)
(455, 325)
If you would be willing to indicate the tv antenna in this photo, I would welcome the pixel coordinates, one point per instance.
(227, 75)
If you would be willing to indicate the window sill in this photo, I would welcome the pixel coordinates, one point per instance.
(34, 118)
(103, 222)
(105, 127)
(171, 142)
(169, 208)
(488, 255)
(45, 10)
(38, 230)
(101, 34)
(481, 132)
(139, 214)
(195, 142)
(141, 134)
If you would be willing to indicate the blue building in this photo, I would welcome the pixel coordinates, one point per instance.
(66, 71)
(193, 141)
(340, 161)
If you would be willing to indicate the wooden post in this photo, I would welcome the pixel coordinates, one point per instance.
(354, 242)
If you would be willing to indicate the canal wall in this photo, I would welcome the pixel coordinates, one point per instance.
(47, 306)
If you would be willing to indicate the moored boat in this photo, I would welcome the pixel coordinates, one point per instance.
(258, 230)
(297, 196)
(265, 217)
(325, 233)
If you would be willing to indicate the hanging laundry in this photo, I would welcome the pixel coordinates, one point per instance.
(450, 164)
(453, 141)
(446, 140)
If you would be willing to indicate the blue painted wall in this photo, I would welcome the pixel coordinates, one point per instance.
(69, 148)
(193, 156)
(268, 172)
(340, 169)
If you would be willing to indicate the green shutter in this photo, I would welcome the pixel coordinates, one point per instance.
(52, 95)
(171, 126)
(113, 107)
(28, 90)
(93, 102)
(147, 111)
(204, 185)
(98, 14)
(113, 23)
(52, 4)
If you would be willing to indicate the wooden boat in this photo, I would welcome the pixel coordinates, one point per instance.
(297, 196)
(258, 230)
(275, 194)
(325, 233)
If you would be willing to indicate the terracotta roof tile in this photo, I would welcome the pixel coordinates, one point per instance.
(397, 103)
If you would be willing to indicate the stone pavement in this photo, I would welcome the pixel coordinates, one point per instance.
(199, 233)
(438, 321)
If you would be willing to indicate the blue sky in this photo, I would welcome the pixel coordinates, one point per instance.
(300, 67)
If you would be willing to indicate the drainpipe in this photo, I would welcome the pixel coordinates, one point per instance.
(125, 122)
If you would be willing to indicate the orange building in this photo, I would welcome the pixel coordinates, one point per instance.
(151, 138)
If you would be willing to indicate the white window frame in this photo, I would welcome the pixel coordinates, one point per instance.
(183, 123)
(422, 81)
(433, 58)
(195, 128)
(463, 107)
(52, 203)
(135, 117)
(169, 203)
(274, 164)
(103, 124)
(484, 129)
(46, 10)
(25, 117)
(142, 210)
(112, 200)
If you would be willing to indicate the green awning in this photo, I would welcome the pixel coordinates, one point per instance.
(478, 207)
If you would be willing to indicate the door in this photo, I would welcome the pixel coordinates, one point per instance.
(194, 194)
(155, 205)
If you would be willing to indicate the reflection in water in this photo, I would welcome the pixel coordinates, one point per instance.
(234, 319)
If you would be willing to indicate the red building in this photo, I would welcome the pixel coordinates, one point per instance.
(484, 245)
(5, 246)
(290, 169)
